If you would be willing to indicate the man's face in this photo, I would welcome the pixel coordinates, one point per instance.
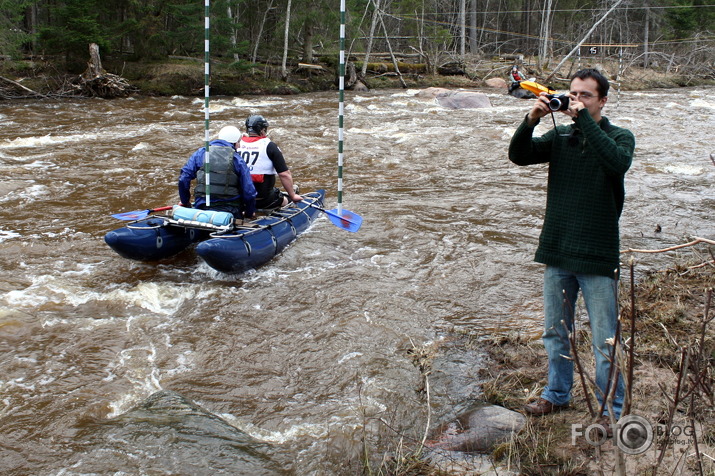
(586, 91)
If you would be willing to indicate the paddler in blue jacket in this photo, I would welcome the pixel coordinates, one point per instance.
(231, 188)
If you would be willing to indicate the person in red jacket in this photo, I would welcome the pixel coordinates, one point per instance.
(516, 75)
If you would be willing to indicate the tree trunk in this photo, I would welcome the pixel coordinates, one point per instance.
(462, 27)
(96, 82)
(234, 32)
(389, 47)
(545, 33)
(260, 32)
(94, 67)
(284, 69)
(645, 38)
(473, 46)
(526, 24)
(373, 25)
(308, 41)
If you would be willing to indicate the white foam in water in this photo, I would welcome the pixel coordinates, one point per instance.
(41, 164)
(253, 104)
(30, 193)
(684, 169)
(44, 141)
(312, 430)
(6, 235)
(159, 298)
(141, 146)
(703, 103)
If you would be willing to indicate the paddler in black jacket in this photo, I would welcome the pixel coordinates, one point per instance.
(266, 162)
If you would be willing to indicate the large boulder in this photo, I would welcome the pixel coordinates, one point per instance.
(496, 83)
(463, 100)
(478, 430)
(431, 92)
(460, 99)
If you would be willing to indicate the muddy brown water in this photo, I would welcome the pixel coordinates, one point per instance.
(310, 351)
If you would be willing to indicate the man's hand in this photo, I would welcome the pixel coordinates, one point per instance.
(574, 106)
(539, 110)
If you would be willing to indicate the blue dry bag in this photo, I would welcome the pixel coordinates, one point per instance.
(203, 216)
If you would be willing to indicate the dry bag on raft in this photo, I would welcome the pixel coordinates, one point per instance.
(202, 216)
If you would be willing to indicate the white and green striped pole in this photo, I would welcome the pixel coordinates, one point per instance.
(341, 83)
(207, 165)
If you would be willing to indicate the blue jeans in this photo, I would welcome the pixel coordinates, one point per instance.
(600, 293)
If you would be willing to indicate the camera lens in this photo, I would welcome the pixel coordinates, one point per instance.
(559, 103)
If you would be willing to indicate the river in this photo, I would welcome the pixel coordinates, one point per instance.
(312, 353)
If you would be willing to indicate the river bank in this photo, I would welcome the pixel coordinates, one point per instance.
(672, 384)
(185, 76)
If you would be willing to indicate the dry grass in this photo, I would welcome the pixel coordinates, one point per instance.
(670, 312)
(671, 320)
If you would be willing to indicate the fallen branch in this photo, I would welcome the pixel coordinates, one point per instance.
(672, 248)
(315, 67)
(27, 90)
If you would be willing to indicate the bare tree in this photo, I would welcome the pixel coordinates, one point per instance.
(370, 38)
(284, 68)
(545, 34)
(462, 26)
(260, 32)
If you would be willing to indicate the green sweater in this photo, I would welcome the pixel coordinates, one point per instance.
(585, 191)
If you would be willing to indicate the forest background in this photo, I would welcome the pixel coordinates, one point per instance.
(292, 45)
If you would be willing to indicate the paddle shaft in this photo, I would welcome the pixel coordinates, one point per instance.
(139, 214)
(332, 214)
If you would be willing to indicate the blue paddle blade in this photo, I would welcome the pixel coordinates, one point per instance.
(347, 220)
(135, 215)
(138, 214)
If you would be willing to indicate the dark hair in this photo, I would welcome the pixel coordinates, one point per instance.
(597, 76)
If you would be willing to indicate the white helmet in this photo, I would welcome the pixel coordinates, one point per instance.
(230, 134)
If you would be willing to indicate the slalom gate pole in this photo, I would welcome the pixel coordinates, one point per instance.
(207, 69)
(341, 95)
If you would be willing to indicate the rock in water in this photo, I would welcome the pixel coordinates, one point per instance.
(518, 92)
(463, 100)
(169, 434)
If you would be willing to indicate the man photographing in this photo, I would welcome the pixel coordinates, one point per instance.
(579, 242)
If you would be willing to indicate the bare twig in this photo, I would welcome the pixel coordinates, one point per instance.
(698, 455)
(632, 346)
(682, 373)
(579, 368)
(672, 248)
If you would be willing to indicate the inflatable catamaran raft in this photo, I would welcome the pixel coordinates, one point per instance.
(224, 245)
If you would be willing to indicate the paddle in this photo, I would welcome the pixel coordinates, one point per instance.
(139, 214)
(347, 220)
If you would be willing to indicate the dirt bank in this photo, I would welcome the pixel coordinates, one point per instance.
(185, 76)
